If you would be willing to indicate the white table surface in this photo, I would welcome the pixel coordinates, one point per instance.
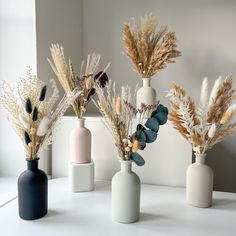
(8, 190)
(163, 212)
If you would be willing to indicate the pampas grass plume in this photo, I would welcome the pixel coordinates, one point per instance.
(215, 90)
(43, 126)
(118, 105)
(204, 92)
(227, 117)
(212, 131)
(24, 121)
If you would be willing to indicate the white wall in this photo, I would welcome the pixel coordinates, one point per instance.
(17, 50)
(206, 35)
(57, 21)
(205, 30)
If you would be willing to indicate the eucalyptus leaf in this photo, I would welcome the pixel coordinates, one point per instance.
(161, 117)
(159, 109)
(150, 136)
(140, 136)
(142, 145)
(152, 124)
(139, 161)
(140, 127)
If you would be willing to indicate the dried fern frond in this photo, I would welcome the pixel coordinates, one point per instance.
(149, 50)
(206, 125)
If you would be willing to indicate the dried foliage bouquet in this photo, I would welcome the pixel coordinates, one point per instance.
(149, 50)
(84, 82)
(119, 112)
(32, 112)
(211, 122)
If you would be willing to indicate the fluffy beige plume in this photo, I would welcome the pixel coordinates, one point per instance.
(204, 92)
(149, 50)
(215, 90)
(201, 131)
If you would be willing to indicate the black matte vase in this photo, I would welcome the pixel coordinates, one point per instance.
(32, 192)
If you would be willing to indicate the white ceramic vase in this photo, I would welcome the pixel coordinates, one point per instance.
(199, 185)
(80, 144)
(125, 194)
(146, 94)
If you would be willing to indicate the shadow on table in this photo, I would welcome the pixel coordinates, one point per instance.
(53, 213)
(149, 217)
(224, 204)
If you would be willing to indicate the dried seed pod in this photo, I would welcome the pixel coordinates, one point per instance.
(35, 114)
(32, 131)
(43, 93)
(27, 138)
(28, 106)
(136, 146)
(89, 82)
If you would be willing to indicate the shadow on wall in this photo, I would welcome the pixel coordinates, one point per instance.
(222, 159)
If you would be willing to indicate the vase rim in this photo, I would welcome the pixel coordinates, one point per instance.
(200, 154)
(125, 161)
(147, 78)
(82, 118)
(34, 159)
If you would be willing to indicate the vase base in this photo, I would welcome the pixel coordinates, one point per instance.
(81, 177)
(34, 218)
(200, 206)
(125, 222)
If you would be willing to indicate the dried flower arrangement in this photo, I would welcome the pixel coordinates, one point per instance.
(208, 124)
(119, 112)
(149, 50)
(85, 82)
(32, 112)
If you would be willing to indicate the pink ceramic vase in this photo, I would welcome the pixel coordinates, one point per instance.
(80, 144)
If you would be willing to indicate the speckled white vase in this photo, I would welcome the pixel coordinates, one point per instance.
(146, 94)
(80, 144)
(199, 183)
(125, 194)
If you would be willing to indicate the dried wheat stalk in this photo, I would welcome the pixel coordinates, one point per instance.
(208, 124)
(31, 111)
(149, 50)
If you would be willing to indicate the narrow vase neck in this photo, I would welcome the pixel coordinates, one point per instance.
(126, 166)
(146, 82)
(200, 158)
(32, 164)
(81, 122)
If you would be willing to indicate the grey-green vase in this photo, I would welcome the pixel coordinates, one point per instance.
(125, 194)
